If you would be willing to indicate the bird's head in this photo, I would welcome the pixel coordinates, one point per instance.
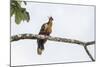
(50, 19)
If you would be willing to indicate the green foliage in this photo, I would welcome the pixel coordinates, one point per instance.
(20, 13)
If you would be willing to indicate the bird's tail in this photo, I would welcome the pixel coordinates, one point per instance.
(39, 51)
(40, 43)
(40, 47)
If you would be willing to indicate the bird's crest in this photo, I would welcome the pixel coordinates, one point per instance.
(50, 18)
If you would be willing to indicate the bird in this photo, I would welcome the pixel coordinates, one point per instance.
(45, 30)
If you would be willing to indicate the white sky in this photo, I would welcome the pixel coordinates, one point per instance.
(70, 21)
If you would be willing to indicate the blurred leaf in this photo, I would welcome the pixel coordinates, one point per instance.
(28, 17)
(25, 2)
(17, 16)
(20, 13)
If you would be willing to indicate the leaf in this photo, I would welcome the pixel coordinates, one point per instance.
(12, 11)
(25, 15)
(28, 17)
(17, 16)
(25, 2)
(20, 13)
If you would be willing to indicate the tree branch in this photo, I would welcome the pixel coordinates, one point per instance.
(87, 51)
(58, 39)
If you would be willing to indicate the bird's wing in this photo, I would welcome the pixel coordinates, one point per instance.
(43, 28)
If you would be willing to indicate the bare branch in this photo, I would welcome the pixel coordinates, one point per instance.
(87, 51)
(57, 39)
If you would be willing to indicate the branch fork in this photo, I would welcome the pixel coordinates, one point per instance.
(57, 39)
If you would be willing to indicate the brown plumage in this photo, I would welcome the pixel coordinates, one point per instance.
(46, 29)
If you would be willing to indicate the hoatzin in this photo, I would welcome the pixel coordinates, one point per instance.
(46, 29)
